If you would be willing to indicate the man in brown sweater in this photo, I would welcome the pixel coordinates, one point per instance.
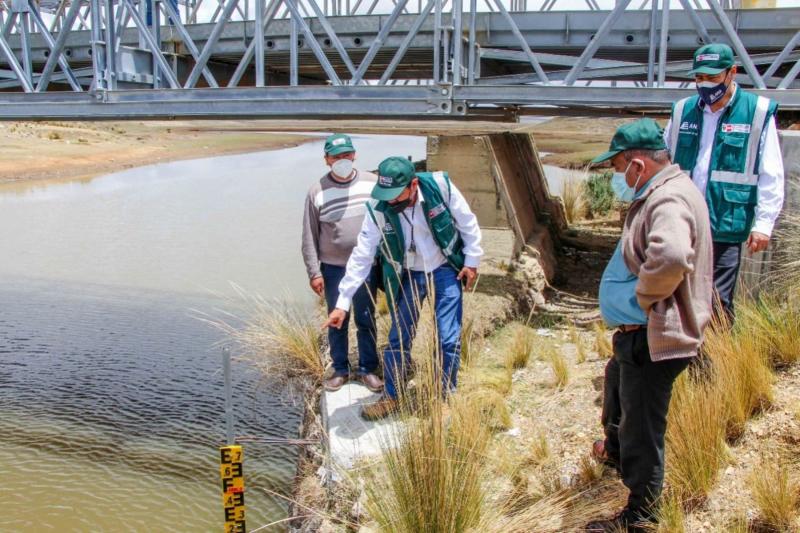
(657, 292)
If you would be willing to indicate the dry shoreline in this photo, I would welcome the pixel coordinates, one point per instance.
(58, 151)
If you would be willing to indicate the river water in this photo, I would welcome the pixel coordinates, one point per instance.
(111, 406)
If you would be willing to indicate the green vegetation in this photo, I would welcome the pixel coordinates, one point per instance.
(599, 196)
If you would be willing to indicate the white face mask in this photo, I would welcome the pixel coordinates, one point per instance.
(342, 168)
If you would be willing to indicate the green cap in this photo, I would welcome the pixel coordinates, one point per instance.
(712, 59)
(643, 134)
(338, 144)
(394, 175)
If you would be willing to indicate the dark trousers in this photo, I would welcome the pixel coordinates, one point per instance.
(636, 397)
(727, 257)
(363, 311)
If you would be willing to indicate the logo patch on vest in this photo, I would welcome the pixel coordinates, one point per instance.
(707, 57)
(387, 227)
(385, 181)
(688, 126)
(736, 128)
(438, 210)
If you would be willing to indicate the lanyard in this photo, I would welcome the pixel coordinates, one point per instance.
(411, 247)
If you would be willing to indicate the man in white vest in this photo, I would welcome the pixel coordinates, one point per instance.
(727, 140)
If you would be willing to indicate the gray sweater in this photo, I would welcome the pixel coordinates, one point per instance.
(666, 243)
(333, 216)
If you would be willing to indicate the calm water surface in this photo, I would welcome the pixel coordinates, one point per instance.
(110, 391)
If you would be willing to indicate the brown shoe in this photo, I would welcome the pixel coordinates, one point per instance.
(380, 409)
(372, 382)
(335, 382)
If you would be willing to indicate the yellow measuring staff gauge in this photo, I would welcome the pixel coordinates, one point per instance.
(230, 469)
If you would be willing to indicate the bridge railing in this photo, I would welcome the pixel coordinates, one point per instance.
(451, 57)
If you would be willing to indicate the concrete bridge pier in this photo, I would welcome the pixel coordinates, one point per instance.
(502, 177)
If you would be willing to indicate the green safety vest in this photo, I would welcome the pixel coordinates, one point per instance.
(732, 187)
(392, 250)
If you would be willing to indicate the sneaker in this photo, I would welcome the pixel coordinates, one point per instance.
(335, 382)
(372, 382)
(380, 409)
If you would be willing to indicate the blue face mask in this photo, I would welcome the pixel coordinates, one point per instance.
(711, 92)
(619, 184)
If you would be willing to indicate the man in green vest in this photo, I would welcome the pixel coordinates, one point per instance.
(727, 140)
(428, 242)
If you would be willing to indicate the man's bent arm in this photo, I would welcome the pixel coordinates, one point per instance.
(467, 225)
(669, 254)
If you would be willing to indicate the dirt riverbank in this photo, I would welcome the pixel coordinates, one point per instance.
(82, 150)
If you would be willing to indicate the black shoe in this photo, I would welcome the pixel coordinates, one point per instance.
(625, 521)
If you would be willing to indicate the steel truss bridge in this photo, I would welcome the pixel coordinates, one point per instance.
(117, 59)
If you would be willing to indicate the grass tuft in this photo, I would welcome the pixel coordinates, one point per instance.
(777, 496)
(576, 339)
(695, 439)
(602, 344)
(492, 409)
(572, 196)
(560, 367)
(740, 375)
(497, 379)
(589, 471)
(520, 349)
(280, 338)
(539, 452)
(670, 515)
(775, 323)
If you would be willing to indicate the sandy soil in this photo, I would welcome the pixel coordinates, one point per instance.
(76, 150)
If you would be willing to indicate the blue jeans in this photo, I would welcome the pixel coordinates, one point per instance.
(363, 310)
(447, 304)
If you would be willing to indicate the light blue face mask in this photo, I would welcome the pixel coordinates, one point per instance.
(619, 184)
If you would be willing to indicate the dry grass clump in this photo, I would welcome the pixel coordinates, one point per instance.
(519, 351)
(539, 451)
(432, 469)
(560, 367)
(281, 338)
(777, 496)
(381, 304)
(572, 196)
(497, 379)
(470, 343)
(670, 515)
(589, 471)
(786, 271)
(775, 323)
(695, 438)
(602, 344)
(492, 409)
(740, 376)
(576, 339)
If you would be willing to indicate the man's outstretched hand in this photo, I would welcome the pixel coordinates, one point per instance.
(335, 319)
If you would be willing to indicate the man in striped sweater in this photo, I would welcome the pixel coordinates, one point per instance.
(334, 211)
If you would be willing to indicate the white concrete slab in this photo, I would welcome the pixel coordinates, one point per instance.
(351, 437)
